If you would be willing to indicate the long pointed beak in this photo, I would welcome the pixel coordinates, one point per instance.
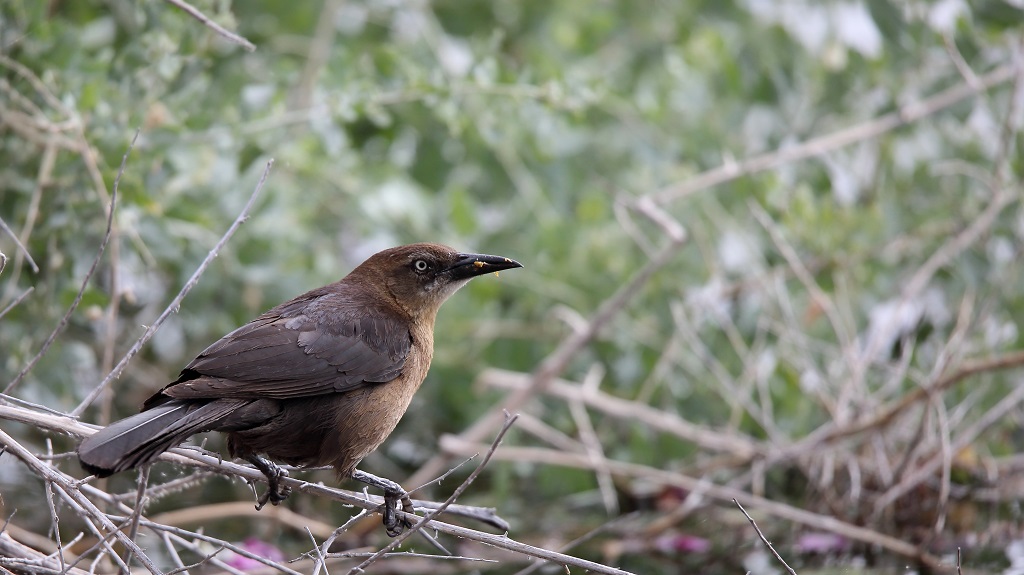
(472, 265)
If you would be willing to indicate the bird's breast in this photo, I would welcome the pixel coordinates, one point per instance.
(365, 417)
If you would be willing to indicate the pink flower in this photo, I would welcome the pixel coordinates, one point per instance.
(256, 547)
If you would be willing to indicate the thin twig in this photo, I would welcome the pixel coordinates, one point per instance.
(176, 302)
(88, 276)
(195, 13)
(765, 539)
(21, 247)
(320, 560)
(136, 515)
(16, 300)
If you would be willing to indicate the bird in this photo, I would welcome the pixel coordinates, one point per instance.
(320, 380)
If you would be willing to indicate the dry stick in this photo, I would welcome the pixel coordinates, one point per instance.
(21, 247)
(326, 545)
(169, 546)
(320, 559)
(56, 524)
(8, 399)
(765, 539)
(70, 489)
(455, 445)
(905, 114)
(193, 458)
(11, 548)
(555, 363)
(136, 514)
(176, 302)
(195, 13)
(102, 540)
(85, 282)
(509, 420)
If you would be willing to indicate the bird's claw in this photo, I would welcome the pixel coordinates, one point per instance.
(392, 524)
(276, 492)
(393, 493)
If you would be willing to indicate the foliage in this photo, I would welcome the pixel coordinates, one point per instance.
(852, 238)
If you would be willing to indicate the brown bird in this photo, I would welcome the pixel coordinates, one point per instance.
(320, 380)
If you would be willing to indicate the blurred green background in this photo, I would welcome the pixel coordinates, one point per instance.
(531, 130)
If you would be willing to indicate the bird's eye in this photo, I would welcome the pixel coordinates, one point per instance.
(420, 265)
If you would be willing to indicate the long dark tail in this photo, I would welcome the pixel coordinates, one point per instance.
(141, 438)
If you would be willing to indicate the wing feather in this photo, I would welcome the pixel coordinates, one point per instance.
(323, 342)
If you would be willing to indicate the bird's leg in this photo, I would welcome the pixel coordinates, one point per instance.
(393, 492)
(276, 493)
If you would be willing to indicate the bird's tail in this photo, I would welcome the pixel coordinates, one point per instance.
(141, 438)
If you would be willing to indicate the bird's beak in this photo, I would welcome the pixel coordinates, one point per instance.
(472, 265)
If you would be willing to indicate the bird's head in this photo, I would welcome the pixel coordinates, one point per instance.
(422, 276)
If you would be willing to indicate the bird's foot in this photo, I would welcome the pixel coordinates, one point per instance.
(276, 492)
(393, 493)
(392, 524)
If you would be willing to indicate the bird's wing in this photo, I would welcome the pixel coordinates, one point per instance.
(319, 343)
